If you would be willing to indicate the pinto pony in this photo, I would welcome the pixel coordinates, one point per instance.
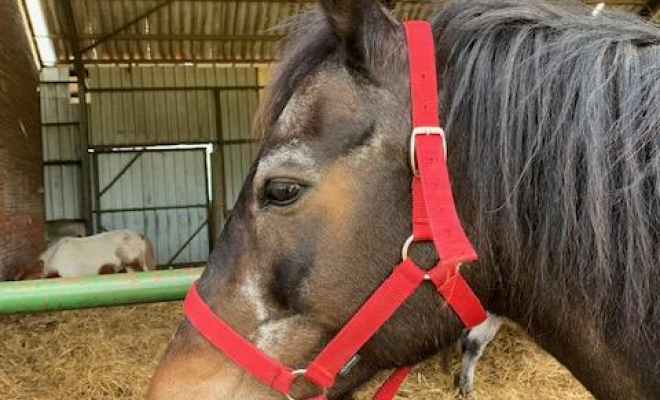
(104, 253)
(552, 121)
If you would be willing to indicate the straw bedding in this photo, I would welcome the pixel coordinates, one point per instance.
(110, 353)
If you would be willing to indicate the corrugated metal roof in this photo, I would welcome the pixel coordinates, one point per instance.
(200, 31)
(172, 30)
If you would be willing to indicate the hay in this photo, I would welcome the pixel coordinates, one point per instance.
(104, 354)
(512, 368)
(98, 354)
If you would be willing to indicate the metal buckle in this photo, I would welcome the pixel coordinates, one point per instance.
(424, 130)
(301, 372)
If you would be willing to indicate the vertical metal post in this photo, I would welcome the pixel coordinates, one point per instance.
(211, 232)
(79, 66)
(97, 194)
(219, 206)
(84, 146)
(221, 152)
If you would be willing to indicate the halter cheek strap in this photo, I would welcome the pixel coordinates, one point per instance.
(434, 218)
(434, 212)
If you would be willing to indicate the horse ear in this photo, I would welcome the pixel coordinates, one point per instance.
(348, 20)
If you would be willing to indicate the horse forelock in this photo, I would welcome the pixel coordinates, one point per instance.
(310, 43)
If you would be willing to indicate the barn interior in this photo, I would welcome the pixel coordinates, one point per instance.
(137, 114)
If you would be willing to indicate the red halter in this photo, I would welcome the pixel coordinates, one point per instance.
(434, 218)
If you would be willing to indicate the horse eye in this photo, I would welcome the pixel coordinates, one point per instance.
(281, 192)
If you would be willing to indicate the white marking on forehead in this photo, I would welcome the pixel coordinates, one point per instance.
(302, 102)
(298, 154)
(251, 292)
(291, 115)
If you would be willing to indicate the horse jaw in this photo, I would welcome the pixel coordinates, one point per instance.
(191, 358)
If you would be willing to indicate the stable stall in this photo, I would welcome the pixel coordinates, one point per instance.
(137, 114)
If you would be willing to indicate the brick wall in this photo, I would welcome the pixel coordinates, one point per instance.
(21, 168)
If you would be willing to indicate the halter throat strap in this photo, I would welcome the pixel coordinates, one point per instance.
(434, 218)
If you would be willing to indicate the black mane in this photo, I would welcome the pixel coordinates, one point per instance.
(561, 112)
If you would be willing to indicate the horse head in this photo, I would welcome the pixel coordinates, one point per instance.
(321, 218)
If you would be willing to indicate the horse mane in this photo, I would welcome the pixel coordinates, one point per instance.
(560, 111)
(556, 115)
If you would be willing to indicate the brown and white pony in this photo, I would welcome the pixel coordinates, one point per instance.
(552, 118)
(104, 253)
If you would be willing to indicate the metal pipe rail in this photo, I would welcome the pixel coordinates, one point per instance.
(96, 291)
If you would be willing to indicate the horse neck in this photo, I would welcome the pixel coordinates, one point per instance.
(571, 319)
(610, 366)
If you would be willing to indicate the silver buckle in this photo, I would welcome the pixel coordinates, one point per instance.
(424, 130)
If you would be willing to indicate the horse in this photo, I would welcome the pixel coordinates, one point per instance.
(104, 253)
(551, 117)
(473, 344)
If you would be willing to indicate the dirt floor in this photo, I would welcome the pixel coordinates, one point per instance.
(104, 354)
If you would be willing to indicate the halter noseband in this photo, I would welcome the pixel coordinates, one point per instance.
(434, 218)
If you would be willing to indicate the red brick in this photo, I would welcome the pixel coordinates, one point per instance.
(21, 167)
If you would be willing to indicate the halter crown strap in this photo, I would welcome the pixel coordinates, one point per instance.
(435, 207)
(423, 79)
(434, 211)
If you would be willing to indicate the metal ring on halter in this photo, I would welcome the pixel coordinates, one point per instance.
(406, 247)
(424, 130)
(302, 372)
